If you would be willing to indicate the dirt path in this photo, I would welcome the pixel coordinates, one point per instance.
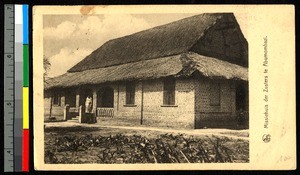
(234, 134)
(215, 132)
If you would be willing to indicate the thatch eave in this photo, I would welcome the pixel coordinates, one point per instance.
(182, 65)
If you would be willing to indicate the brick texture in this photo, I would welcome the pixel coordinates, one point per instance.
(207, 115)
(192, 107)
(181, 115)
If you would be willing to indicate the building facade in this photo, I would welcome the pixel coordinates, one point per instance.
(196, 82)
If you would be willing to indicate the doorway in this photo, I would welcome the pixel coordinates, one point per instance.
(84, 94)
(106, 97)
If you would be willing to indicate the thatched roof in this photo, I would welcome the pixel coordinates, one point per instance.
(213, 68)
(177, 49)
(162, 41)
(178, 65)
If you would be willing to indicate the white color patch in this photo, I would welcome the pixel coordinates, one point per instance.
(18, 14)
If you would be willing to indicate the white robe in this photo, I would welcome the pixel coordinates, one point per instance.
(88, 105)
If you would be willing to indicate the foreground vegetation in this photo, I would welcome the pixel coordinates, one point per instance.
(103, 146)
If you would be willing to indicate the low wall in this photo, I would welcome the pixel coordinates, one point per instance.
(57, 112)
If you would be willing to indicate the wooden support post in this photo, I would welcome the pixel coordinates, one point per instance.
(81, 112)
(66, 112)
(95, 101)
(77, 101)
(233, 100)
(51, 103)
(247, 96)
(94, 115)
(142, 103)
(63, 100)
(118, 97)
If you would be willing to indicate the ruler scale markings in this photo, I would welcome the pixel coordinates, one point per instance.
(16, 92)
(8, 84)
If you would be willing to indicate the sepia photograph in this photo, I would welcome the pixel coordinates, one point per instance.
(144, 88)
(173, 91)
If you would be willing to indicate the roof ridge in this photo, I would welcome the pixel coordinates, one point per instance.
(160, 26)
(177, 21)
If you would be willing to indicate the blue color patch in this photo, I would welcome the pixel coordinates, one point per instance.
(25, 24)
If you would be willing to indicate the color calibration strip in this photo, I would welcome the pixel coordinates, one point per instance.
(25, 145)
(18, 124)
(21, 125)
(16, 84)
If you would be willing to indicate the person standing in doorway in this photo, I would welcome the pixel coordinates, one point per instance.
(88, 104)
(88, 108)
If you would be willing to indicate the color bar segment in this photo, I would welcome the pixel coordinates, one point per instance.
(25, 24)
(25, 161)
(25, 108)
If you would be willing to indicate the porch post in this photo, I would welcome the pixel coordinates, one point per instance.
(95, 102)
(81, 112)
(77, 100)
(233, 100)
(247, 97)
(51, 103)
(63, 100)
(142, 102)
(66, 112)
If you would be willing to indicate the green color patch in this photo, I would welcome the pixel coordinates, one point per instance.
(25, 65)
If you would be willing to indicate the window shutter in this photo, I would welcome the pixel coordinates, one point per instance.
(169, 92)
(127, 95)
(130, 93)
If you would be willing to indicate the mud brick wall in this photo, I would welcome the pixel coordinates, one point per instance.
(120, 107)
(192, 107)
(207, 115)
(181, 115)
(127, 113)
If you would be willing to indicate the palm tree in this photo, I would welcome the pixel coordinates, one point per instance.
(46, 64)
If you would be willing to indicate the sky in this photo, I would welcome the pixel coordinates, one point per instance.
(70, 38)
